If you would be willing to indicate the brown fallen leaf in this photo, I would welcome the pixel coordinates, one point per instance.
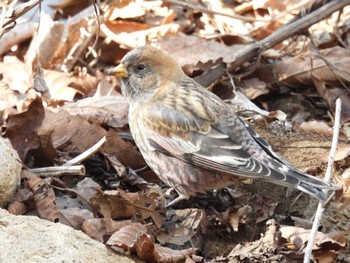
(125, 238)
(105, 110)
(190, 50)
(183, 226)
(260, 249)
(310, 69)
(342, 152)
(124, 151)
(98, 229)
(319, 127)
(22, 129)
(164, 254)
(70, 133)
(300, 236)
(44, 197)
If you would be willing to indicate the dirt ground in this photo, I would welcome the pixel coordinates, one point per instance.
(303, 150)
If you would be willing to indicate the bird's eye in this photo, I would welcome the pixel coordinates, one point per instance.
(140, 67)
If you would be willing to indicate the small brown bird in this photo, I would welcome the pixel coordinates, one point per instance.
(189, 137)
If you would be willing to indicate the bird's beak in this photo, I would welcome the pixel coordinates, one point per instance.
(119, 71)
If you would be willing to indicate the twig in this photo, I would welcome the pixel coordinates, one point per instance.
(204, 10)
(70, 167)
(87, 153)
(20, 10)
(58, 170)
(91, 31)
(320, 207)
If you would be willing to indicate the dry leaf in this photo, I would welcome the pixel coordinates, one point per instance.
(44, 197)
(182, 226)
(105, 110)
(98, 229)
(300, 236)
(125, 238)
(22, 129)
(114, 204)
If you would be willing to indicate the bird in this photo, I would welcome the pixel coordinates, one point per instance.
(192, 139)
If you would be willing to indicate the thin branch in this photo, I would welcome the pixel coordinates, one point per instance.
(20, 10)
(320, 207)
(87, 153)
(58, 170)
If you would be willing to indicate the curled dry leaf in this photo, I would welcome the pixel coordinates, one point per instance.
(44, 197)
(17, 208)
(144, 247)
(125, 238)
(165, 254)
(134, 238)
(19, 204)
(39, 82)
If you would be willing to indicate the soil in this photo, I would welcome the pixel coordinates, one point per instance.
(304, 151)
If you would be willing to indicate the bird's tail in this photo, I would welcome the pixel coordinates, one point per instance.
(311, 185)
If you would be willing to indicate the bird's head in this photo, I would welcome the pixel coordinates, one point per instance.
(144, 71)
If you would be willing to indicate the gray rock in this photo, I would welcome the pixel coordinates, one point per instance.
(31, 239)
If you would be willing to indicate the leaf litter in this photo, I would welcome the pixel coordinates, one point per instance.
(64, 103)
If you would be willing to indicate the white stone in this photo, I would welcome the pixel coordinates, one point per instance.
(31, 239)
(10, 171)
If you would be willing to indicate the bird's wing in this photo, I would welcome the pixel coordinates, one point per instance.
(186, 125)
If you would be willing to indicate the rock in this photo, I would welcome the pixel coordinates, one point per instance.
(31, 239)
(10, 172)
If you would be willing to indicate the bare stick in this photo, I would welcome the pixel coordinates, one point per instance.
(320, 207)
(87, 153)
(58, 170)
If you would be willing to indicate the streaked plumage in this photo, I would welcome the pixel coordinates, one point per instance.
(190, 137)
